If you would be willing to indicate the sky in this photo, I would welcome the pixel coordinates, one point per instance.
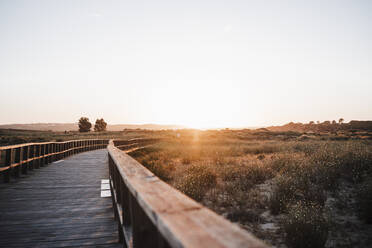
(198, 63)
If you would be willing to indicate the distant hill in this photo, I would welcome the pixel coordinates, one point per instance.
(326, 126)
(61, 127)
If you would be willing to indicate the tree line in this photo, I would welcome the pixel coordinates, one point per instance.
(85, 125)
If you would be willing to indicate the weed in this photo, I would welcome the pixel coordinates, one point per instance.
(306, 227)
(364, 200)
(197, 181)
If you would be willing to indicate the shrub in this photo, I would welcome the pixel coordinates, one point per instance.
(197, 181)
(306, 227)
(355, 163)
(282, 195)
(364, 200)
(314, 194)
(294, 188)
(159, 169)
(245, 176)
(257, 173)
(351, 160)
(277, 163)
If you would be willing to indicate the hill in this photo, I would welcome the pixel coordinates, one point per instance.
(325, 126)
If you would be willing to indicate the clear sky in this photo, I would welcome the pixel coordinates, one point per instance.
(201, 63)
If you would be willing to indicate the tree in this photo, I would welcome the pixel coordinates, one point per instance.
(100, 125)
(341, 120)
(334, 122)
(84, 124)
(311, 122)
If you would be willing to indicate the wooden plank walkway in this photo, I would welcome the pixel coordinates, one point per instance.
(59, 205)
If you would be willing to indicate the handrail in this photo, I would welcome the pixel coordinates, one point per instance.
(16, 159)
(151, 213)
(49, 142)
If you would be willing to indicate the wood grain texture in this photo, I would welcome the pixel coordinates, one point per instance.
(59, 205)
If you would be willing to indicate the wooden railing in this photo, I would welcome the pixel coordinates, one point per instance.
(17, 159)
(150, 213)
(134, 144)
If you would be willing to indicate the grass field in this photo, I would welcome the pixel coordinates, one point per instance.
(289, 189)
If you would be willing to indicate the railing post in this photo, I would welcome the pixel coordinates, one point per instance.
(53, 151)
(63, 150)
(8, 162)
(37, 154)
(69, 146)
(31, 154)
(25, 164)
(42, 153)
(47, 151)
(17, 159)
(145, 233)
(57, 150)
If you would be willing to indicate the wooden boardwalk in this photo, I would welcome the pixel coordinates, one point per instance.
(59, 205)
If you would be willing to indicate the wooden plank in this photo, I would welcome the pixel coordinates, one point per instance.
(17, 159)
(59, 206)
(108, 241)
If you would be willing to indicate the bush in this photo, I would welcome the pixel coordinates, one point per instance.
(158, 167)
(306, 227)
(282, 195)
(364, 200)
(295, 188)
(197, 181)
(246, 176)
(161, 171)
(351, 160)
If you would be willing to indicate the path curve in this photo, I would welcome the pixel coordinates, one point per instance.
(59, 205)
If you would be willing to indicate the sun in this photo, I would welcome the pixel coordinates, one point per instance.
(199, 104)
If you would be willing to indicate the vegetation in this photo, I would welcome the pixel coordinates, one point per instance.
(306, 227)
(12, 136)
(326, 126)
(197, 181)
(84, 125)
(100, 125)
(288, 190)
(364, 200)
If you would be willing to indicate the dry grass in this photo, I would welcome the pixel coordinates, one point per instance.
(242, 175)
